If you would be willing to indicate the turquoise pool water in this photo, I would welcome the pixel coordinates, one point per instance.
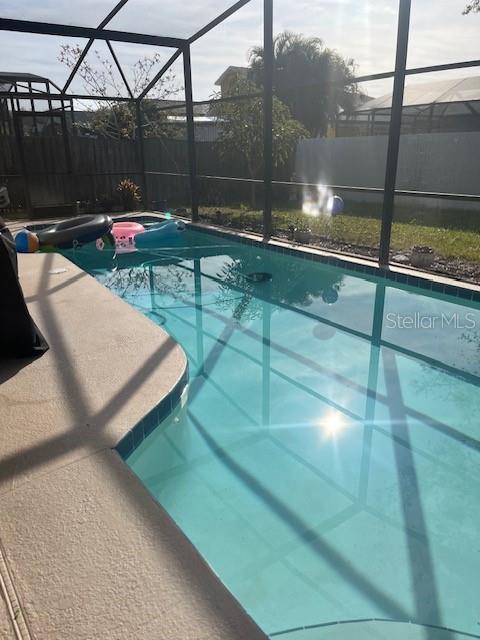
(326, 464)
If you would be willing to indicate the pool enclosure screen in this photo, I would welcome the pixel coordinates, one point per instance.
(111, 25)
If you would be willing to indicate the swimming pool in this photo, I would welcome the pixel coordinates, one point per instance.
(326, 464)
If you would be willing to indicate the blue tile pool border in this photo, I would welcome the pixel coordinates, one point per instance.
(466, 291)
(421, 280)
(153, 418)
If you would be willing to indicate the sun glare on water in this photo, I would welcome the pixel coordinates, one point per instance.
(332, 425)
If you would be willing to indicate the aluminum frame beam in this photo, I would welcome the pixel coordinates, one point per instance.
(61, 96)
(82, 57)
(119, 67)
(158, 76)
(268, 62)
(218, 20)
(394, 131)
(192, 152)
(53, 29)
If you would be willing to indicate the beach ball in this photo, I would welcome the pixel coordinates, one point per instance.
(330, 295)
(324, 331)
(336, 205)
(107, 241)
(26, 241)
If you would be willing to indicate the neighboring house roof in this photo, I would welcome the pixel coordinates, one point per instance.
(198, 109)
(360, 99)
(12, 76)
(232, 70)
(435, 92)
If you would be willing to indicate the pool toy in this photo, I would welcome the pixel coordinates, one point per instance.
(155, 235)
(330, 295)
(323, 331)
(65, 235)
(26, 241)
(124, 234)
(335, 205)
(259, 276)
(4, 198)
(106, 242)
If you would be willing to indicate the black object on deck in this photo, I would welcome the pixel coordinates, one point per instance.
(19, 336)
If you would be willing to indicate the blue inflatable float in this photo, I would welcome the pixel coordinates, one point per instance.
(65, 235)
(158, 234)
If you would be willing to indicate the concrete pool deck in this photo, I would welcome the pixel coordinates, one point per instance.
(85, 551)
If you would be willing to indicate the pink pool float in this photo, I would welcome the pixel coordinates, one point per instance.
(124, 234)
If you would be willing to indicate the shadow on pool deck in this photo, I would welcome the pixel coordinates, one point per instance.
(198, 600)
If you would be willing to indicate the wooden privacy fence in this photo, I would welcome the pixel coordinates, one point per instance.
(164, 155)
(52, 173)
(170, 156)
(89, 169)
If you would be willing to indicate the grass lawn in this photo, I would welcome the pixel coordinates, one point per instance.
(358, 230)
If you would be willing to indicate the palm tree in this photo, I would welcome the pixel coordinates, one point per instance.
(472, 7)
(312, 80)
(241, 130)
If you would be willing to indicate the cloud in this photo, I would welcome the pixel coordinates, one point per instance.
(364, 30)
(83, 13)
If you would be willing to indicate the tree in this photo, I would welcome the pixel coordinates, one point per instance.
(312, 80)
(241, 129)
(472, 7)
(118, 119)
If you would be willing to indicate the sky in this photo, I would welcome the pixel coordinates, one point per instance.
(364, 30)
